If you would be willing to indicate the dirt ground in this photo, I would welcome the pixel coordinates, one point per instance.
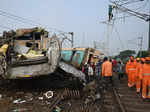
(29, 96)
(26, 95)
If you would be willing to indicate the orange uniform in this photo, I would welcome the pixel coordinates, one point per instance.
(107, 69)
(145, 72)
(131, 72)
(138, 78)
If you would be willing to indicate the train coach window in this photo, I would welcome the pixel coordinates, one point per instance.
(78, 56)
(36, 45)
(29, 44)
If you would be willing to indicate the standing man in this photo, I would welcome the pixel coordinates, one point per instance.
(145, 72)
(99, 68)
(114, 64)
(90, 72)
(120, 70)
(107, 70)
(131, 71)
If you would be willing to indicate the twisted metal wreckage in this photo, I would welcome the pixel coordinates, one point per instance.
(26, 53)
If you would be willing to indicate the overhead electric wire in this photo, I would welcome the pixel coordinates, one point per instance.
(5, 27)
(142, 7)
(126, 2)
(119, 37)
(12, 16)
(26, 21)
(131, 12)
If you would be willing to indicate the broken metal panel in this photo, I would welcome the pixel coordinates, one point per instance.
(28, 71)
(72, 70)
(53, 52)
(21, 49)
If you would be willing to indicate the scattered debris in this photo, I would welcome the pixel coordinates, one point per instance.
(0, 96)
(20, 110)
(29, 96)
(19, 101)
(40, 98)
(49, 94)
(56, 109)
(48, 103)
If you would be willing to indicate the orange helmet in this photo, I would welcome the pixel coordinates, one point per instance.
(147, 58)
(138, 59)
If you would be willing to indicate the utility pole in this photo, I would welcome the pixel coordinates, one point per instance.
(72, 39)
(109, 31)
(149, 34)
(143, 16)
(140, 45)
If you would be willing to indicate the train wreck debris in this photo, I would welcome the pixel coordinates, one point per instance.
(28, 53)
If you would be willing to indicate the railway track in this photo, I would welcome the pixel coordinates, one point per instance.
(110, 103)
(131, 101)
(74, 100)
(122, 99)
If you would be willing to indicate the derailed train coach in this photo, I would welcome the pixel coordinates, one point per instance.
(78, 57)
(26, 53)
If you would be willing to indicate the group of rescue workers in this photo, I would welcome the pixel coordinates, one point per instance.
(137, 70)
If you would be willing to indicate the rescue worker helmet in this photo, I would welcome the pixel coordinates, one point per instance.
(138, 59)
(147, 58)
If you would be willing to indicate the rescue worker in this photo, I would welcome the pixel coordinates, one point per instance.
(138, 80)
(131, 72)
(107, 71)
(145, 72)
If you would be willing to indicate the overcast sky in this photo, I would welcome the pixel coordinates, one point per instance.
(82, 17)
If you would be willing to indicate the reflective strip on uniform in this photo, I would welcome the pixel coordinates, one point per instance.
(146, 74)
(132, 69)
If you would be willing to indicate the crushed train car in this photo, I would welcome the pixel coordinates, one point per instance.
(79, 56)
(72, 59)
(28, 53)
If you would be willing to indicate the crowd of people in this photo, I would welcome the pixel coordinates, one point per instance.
(137, 71)
(103, 69)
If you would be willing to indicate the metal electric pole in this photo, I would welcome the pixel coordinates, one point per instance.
(140, 45)
(72, 39)
(149, 39)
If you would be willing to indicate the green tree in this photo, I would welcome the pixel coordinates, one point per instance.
(142, 54)
(125, 54)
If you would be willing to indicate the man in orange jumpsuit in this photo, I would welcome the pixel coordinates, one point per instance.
(131, 72)
(107, 70)
(145, 72)
(138, 80)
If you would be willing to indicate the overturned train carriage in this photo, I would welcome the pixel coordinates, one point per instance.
(28, 53)
(73, 59)
(78, 57)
